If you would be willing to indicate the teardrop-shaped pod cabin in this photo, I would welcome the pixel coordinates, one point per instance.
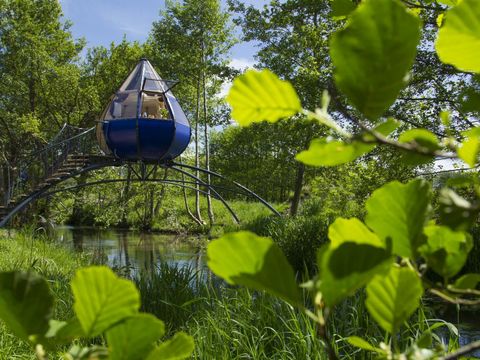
(143, 120)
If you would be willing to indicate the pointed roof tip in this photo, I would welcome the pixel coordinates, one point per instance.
(143, 77)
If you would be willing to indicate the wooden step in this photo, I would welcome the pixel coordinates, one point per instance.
(52, 179)
(68, 168)
(19, 199)
(61, 174)
(75, 163)
(78, 157)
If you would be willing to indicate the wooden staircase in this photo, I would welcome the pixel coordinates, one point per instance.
(71, 165)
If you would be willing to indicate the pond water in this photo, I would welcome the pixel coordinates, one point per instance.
(132, 251)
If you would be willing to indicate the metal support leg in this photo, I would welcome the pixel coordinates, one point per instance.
(250, 192)
(201, 182)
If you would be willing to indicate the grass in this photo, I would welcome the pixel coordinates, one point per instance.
(173, 216)
(240, 324)
(299, 238)
(173, 293)
(226, 322)
(29, 250)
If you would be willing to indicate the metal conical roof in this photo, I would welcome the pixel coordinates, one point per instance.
(144, 77)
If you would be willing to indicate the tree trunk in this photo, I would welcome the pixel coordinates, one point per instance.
(298, 189)
(211, 216)
(31, 93)
(198, 214)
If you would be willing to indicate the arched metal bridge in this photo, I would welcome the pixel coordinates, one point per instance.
(75, 151)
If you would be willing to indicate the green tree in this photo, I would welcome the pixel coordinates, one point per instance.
(293, 37)
(40, 82)
(190, 43)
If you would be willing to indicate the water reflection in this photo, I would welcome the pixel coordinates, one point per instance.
(132, 252)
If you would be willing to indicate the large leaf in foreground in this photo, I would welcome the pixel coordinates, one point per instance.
(467, 281)
(26, 303)
(333, 153)
(348, 267)
(244, 258)
(177, 348)
(445, 250)
(422, 140)
(352, 230)
(341, 8)
(470, 148)
(398, 212)
(63, 332)
(374, 53)
(134, 338)
(260, 95)
(392, 299)
(458, 40)
(102, 299)
(455, 211)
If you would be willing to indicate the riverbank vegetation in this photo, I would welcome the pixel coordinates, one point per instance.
(361, 130)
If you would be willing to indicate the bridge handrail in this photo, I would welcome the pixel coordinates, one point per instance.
(37, 166)
(51, 144)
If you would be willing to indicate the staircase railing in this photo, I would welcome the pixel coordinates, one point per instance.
(38, 166)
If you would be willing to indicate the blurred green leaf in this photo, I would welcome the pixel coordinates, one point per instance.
(455, 211)
(373, 54)
(467, 281)
(421, 139)
(461, 180)
(244, 258)
(341, 8)
(458, 41)
(322, 153)
(134, 338)
(102, 299)
(387, 127)
(445, 250)
(26, 304)
(63, 332)
(470, 100)
(260, 95)
(448, 2)
(177, 348)
(425, 340)
(392, 299)
(362, 344)
(470, 147)
(398, 212)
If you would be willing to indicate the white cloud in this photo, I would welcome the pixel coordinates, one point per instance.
(242, 63)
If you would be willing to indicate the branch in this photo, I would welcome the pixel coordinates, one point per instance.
(448, 171)
(426, 99)
(406, 146)
(420, 6)
(452, 300)
(464, 350)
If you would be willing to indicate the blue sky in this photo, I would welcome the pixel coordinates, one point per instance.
(102, 21)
